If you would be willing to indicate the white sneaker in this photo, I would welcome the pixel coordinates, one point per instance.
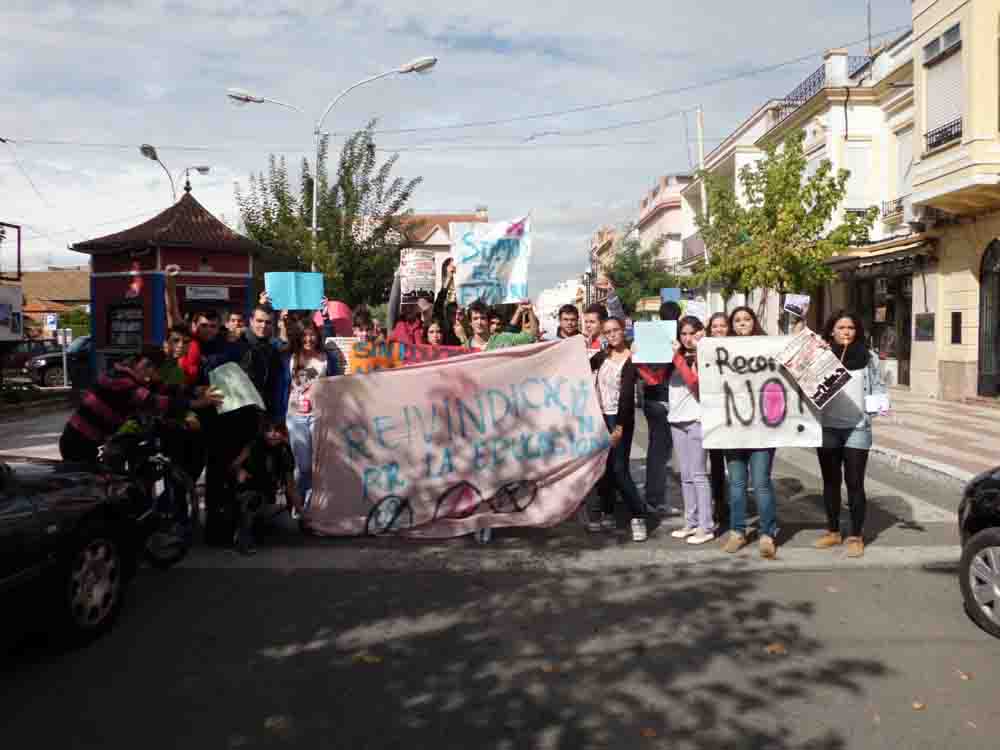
(684, 533)
(638, 530)
(700, 537)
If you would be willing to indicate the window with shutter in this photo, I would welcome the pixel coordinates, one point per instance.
(944, 92)
(904, 162)
(813, 162)
(858, 163)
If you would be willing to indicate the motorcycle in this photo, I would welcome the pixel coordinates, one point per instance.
(159, 494)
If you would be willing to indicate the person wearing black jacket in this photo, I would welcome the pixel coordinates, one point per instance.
(656, 407)
(616, 379)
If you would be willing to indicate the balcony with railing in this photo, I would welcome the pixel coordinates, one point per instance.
(894, 208)
(814, 84)
(692, 247)
(943, 135)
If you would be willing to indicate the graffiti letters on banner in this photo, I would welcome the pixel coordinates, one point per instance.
(816, 369)
(372, 356)
(748, 400)
(512, 437)
(491, 261)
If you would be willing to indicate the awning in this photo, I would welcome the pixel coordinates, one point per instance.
(898, 259)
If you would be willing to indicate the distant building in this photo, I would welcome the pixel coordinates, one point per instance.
(661, 216)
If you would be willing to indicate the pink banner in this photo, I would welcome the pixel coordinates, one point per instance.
(512, 437)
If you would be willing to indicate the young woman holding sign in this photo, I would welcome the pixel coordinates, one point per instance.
(847, 430)
(755, 465)
(616, 377)
(718, 327)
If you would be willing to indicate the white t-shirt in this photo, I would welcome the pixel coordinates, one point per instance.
(609, 385)
(302, 381)
(684, 406)
(846, 410)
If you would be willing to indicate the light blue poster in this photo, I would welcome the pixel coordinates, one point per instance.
(654, 342)
(670, 294)
(294, 291)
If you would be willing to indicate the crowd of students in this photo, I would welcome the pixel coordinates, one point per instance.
(248, 456)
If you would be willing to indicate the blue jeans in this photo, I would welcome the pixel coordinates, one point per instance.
(658, 456)
(617, 476)
(756, 463)
(300, 440)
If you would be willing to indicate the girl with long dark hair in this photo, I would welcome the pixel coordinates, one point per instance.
(718, 327)
(847, 431)
(302, 365)
(616, 377)
(750, 465)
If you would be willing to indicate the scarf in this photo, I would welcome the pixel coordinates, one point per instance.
(856, 357)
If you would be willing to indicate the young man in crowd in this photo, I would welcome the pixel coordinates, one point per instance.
(479, 320)
(131, 389)
(496, 320)
(569, 321)
(593, 321)
(236, 324)
(363, 327)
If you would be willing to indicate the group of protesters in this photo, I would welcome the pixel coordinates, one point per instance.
(249, 456)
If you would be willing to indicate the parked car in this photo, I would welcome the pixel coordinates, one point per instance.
(47, 369)
(979, 571)
(16, 354)
(66, 546)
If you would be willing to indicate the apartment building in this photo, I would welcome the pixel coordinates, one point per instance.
(661, 217)
(602, 256)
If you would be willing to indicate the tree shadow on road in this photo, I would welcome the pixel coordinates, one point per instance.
(628, 658)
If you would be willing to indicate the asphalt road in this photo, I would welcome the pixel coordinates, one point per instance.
(638, 657)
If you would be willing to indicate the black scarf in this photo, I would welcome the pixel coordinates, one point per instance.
(856, 357)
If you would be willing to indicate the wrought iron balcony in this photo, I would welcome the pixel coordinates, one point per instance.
(944, 134)
(814, 83)
(893, 207)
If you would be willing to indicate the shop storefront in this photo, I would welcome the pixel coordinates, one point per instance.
(880, 290)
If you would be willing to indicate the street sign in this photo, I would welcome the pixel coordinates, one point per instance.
(51, 321)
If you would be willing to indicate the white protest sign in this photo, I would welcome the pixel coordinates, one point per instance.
(237, 388)
(416, 273)
(696, 308)
(491, 261)
(748, 400)
(797, 304)
(815, 368)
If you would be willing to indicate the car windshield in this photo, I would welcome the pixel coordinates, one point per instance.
(78, 345)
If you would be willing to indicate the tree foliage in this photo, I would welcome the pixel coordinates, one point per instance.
(357, 246)
(779, 235)
(639, 272)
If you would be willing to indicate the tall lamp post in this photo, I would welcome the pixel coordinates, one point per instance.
(241, 96)
(150, 153)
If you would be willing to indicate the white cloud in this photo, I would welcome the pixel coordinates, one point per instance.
(156, 71)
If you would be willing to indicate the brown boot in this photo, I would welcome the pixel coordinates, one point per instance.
(768, 550)
(829, 539)
(735, 542)
(855, 546)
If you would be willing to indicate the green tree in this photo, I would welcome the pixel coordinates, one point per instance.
(639, 272)
(358, 244)
(78, 320)
(779, 236)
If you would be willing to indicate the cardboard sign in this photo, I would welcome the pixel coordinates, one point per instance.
(512, 437)
(654, 342)
(294, 291)
(491, 261)
(416, 273)
(748, 400)
(237, 388)
(815, 368)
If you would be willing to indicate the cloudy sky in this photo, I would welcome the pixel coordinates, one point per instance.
(84, 83)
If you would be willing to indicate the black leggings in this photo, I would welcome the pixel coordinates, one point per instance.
(847, 465)
(720, 500)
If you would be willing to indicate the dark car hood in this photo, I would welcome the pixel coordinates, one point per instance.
(56, 486)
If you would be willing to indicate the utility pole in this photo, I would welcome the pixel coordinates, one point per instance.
(700, 119)
(869, 29)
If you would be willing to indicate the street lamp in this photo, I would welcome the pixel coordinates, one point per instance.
(200, 169)
(242, 96)
(150, 153)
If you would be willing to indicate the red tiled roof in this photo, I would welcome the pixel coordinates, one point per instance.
(186, 223)
(419, 227)
(44, 306)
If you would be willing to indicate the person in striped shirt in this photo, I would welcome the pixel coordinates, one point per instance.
(130, 389)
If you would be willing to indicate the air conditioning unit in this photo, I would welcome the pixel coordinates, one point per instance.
(918, 217)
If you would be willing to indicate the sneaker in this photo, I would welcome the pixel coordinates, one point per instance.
(608, 523)
(767, 549)
(829, 539)
(855, 546)
(639, 530)
(684, 532)
(700, 537)
(735, 542)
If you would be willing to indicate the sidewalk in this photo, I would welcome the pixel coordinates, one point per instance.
(940, 438)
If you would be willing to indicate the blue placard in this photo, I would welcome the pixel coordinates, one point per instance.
(654, 342)
(294, 291)
(670, 294)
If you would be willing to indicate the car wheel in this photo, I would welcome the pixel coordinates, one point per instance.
(53, 377)
(979, 575)
(93, 583)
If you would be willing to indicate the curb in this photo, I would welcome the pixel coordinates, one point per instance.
(20, 412)
(922, 468)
